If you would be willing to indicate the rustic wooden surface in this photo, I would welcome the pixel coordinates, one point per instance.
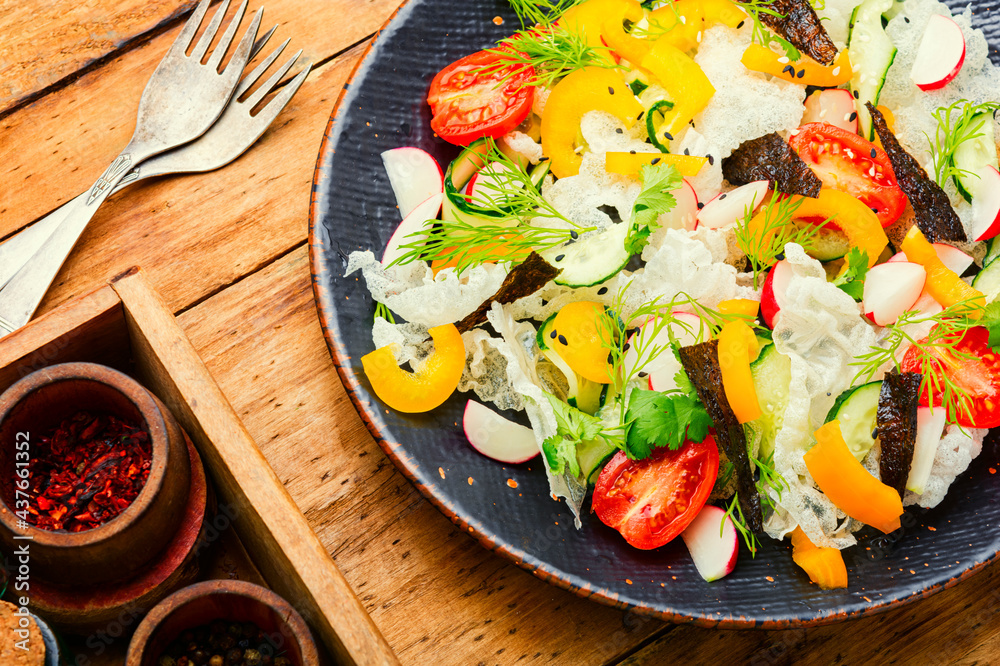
(227, 251)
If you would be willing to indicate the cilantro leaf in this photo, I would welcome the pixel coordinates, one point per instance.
(659, 419)
(654, 200)
(852, 281)
(991, 320)
(572, 427)
(560, 455)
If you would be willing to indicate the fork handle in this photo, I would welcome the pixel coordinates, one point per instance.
(22, 294)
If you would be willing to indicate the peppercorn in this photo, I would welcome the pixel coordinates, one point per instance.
(183, 661)
(200, 657)
(216, 660)
(234, 657)
(252, 658)
(282, 661)
(167, 660)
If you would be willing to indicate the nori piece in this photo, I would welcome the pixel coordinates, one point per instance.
(701, 362)
(935, 216)
(523, 280)
(770, 158)
(800, 25)
(896, 420)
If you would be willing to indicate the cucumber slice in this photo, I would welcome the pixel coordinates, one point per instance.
(585, 395)
(637, 80)
(654, 121)
(538, 174)
(988, 280)
(827, 244)
(593, 259)
(974, 154)
(772, 376)
(856, 409)
(872, 53)
(592, 455)
(992, 250)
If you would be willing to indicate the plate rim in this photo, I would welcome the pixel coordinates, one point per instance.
(540, 569)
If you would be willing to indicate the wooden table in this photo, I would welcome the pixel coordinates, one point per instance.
(228, 251)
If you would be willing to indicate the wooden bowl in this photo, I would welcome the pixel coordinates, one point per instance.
(234, 600)
(122, 546)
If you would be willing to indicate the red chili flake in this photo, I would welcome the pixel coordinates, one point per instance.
(86, 472)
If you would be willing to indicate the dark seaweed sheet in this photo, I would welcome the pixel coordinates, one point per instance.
(771, 158)
(896, 420)
(800, 25)
(523, 280)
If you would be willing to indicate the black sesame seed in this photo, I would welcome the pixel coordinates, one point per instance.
(906, 18)
(625, 348)
(668, 136)
(574, 235)
(643, 374)
(611, 91)
(631, 152)
(543, 159)
(788, 69)
(602, 291)
(801, 73)
(562, 339)
(874, 154)
(560, 257)
(854, 116)
(740, 24)
(828, 393)
(554, 335)
(611, 357)
(711, 160)
(855, 94)
(722, 196)
(639, 117)
(619, 131)
(701, 205)
(654, 160)
(780, 256)
(687, 151)
(875, 433)
(875, 210)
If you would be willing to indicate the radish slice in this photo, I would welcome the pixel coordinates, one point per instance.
(724, 210)
(711, 540)
(684, 215)
(834, 106)
(772, 295)
(688, 329)
(953, 258)
(891, 289)
(414, 176)
(496, 437)
(940, 55)
(986, 204)
(926, 305)
(930, 427)
(427, 211)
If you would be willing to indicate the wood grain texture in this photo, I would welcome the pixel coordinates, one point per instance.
(437, 595)
(287, 552)
(45, 42)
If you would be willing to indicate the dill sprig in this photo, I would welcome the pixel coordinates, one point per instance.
(735, 513)
(769, 479)
(550, 54)
(935, 353)
(516, 205)
(765, 242)
(955, 126)
(540, 12)
(381, 311)
(762, 34)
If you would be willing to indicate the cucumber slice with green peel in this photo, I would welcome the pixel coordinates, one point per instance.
(827, 244)
(637, 80)
(872, 53)
(856, 409)
(992, 250)
(988, 280)
(654, 122)
(456, 207)
(538, 174)
(593, 259)
(772, 377)
(974, 154)
(592, 454)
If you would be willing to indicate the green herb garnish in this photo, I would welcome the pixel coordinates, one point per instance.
(764, 246)
(955, 127)
(550, 54)
(852, 281)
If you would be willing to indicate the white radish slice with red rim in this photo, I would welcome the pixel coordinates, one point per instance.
(930, 427)
(953, 258)
(940, 55)
(834, 106)
(986, 204)
(414, 176)
(420, 217)
(654, 336)
(772, 295)
(891, 289)
(724, 210)
(487, 186)
(712, 541)
(684, 214)
(496, 437)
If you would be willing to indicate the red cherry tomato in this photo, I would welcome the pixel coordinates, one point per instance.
(844, 161)
(651, 501)
(979, 377)
(470, 98)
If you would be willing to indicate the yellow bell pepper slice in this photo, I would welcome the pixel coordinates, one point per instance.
(630, 164)
(848, 484)
(681, 24)
(587, 19)
(587, 89)
(825, 566)
(744, 307)
(686, 84)
(633, 49)
(581, 329)
(430, 385)
(943, 284)
(725, 12)
(805, 71)
(856, 220)
(737, 345)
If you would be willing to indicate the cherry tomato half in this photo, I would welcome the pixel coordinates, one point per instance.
(470, 98)
(651, 501)
(978, 376)
(844, 161)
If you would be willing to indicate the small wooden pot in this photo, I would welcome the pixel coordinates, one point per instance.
(121, 547)
(233, 600)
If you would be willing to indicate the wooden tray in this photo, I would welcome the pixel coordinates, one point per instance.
(127, 325)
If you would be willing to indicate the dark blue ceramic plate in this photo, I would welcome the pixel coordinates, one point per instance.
(353, 208)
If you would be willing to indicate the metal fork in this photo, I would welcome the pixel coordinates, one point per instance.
(181, 101)
(231, 135)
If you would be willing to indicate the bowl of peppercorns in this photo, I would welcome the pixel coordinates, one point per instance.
(222, 623)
